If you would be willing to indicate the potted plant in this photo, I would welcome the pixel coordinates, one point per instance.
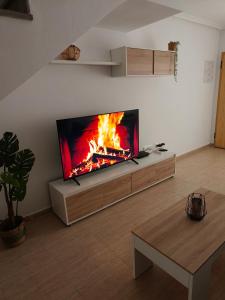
(15, 167)
(173, 46)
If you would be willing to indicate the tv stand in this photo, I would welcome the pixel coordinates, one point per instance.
(75, 180)
(136, 162)
(98, 190)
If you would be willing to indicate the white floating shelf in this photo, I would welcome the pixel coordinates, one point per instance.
(85, 62)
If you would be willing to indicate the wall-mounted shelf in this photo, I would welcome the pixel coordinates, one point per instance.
(85, 62)
(128, 61)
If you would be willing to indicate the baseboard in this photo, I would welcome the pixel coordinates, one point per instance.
(37, 213)
(197, 150)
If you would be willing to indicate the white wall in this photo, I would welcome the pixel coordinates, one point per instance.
(176, 113)
(222, 40)
(198, 44)
(27, 46)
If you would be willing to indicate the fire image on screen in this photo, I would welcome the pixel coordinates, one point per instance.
(94, 142)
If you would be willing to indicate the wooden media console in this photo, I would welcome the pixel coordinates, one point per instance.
(103, 188)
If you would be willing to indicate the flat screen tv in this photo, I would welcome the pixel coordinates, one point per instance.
(94, 142)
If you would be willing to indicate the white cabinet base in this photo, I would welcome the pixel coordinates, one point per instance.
(106, 187)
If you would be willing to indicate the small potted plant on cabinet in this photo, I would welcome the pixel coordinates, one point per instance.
(15, 167)
(173, 46)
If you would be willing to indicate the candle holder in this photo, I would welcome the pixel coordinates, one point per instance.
(196, 206)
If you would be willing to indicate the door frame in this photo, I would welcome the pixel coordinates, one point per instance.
(222, 61)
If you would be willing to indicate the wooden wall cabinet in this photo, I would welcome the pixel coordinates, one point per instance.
(164, 62)
(106, 187)
(136, 62)
(139, 61)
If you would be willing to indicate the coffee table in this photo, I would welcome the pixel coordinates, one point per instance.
(183, 248)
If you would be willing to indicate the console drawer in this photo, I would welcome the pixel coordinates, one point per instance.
(96, 198)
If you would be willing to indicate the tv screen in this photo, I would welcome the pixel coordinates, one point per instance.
(94, 142)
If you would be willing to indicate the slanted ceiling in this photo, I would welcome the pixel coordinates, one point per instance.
(134, 14)
(209, 12)
(26, 47)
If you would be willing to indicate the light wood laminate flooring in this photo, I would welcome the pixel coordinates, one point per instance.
(92, 259)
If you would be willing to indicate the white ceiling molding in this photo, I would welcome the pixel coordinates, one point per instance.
(198, 20)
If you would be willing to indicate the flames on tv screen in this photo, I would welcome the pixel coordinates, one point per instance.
(94, 142)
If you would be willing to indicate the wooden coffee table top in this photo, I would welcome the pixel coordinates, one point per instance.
(188, 243)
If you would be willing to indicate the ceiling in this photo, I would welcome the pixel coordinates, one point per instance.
(134, 14)
(211, 11)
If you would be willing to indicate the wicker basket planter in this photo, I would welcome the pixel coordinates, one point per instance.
(13, 237)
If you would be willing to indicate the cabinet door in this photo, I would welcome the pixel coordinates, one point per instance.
(164, 62)
(89, 201)
(84, 203)
(155, 173)
(139, 61)
(116, 189)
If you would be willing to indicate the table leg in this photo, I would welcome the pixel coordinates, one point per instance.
(199, 284)
(140, 263)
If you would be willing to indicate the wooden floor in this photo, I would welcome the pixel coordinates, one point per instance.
(92, 259)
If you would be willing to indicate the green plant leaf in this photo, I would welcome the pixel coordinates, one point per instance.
(8, 178)
(22, 165)
(18, 193)
(18, 166)
(17, 190)
(9, 145)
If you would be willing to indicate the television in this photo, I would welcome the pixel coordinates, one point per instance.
(91, 143)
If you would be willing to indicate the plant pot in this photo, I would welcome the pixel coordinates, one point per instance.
(172, 46)
(13, 237)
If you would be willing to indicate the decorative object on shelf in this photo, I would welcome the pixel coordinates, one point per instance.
(15, 166)
(70, 53)
(196, 206)
(173, 46)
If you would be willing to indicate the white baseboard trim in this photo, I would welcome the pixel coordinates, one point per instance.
(196, 150)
